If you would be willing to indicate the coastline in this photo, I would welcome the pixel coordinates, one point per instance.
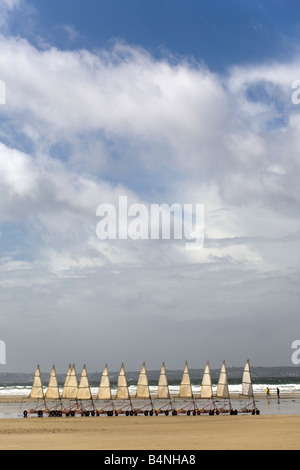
(277, 427)
(257, 396)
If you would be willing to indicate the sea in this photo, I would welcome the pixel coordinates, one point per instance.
(286, 379)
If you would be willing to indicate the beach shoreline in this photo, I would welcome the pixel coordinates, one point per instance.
(257, 396)
(277, 427)
(163, 433)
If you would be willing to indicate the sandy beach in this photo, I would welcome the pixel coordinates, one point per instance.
(276, 428)
(152, 433)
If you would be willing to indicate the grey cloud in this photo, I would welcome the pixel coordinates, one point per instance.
(95, 126)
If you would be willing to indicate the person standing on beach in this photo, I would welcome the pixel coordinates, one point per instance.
(268, 392)
(278, 393)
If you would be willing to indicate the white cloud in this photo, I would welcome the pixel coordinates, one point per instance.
(127, 94)
(81, 128)
(124, 113)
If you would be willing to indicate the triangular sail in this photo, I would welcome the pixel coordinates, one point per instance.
(206, 385)
(222, 388)
(53, 389)
(84, 391)
(163, 388)
(71, 384)
(104, 391)
(143, 390)
(37, 386)
(122, 390)
(185, 390)
(247, 388)
(66, 381)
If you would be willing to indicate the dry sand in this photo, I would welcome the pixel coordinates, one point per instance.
(152, 433)
(272, 432)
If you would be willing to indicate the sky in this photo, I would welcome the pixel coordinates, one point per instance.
(164, 102)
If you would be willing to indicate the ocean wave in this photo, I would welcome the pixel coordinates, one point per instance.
(286, 388)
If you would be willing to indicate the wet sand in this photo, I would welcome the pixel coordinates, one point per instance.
(277, 427)
(152, 433)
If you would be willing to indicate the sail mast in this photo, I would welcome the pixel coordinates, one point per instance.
(71, 384)
(142, 389)
(247, 388)
(185, 390)
(163, 388)
(222, 388)
(66, 382)
(37, 386)
(206, 385)
(53, 389)
(104, 391)
(122, 390)
(84, 391)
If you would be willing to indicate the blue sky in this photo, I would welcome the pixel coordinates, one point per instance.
(165, 102)
(219, 33)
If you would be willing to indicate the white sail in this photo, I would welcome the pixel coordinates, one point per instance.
(122, 390)
(206, 385)
(104, 391)
(247, 388)
(185, 390)
(222, 388)
(163, 388)
(37, 386)
(143, 390)
(53, 389)
(84, 391)
(66, 382)
(71, 384)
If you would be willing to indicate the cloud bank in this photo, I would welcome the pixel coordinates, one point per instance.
(81, 128)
